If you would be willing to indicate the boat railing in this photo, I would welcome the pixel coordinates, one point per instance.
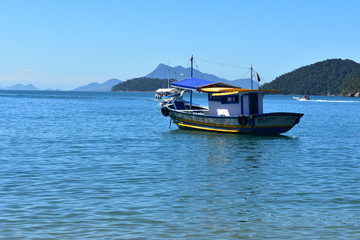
(195, 111)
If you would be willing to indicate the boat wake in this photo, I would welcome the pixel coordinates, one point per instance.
(320, 100)
(332, 101)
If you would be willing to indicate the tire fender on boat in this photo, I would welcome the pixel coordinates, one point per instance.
(243, 120)
(165, 111)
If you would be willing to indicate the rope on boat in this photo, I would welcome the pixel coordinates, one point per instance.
(235, 66)
(224, 64)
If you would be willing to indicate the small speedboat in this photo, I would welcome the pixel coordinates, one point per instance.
(304, 98)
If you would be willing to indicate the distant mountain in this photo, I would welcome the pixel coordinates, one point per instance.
(162, 74)
(163, 71)
(244, 83)
(21, 87)
(96, 87)
(329, 77)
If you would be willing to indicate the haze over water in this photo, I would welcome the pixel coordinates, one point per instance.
(77, 165)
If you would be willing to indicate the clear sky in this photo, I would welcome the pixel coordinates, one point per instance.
(69, 43)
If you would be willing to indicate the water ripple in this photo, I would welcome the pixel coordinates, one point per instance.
(106, 166)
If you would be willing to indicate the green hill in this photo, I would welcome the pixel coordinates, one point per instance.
(329, 77)
(352, 87)
(142, 84)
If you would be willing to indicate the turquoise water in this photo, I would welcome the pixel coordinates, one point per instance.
(106, 166)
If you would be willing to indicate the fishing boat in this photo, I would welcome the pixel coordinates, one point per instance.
(230, 109)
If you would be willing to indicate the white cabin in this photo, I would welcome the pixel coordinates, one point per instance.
(245, 103)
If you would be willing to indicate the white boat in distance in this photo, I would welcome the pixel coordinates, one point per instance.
(230, 109)
(304, 98)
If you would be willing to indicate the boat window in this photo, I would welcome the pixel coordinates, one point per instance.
(224, 99)
(230, 99)
(213, 98)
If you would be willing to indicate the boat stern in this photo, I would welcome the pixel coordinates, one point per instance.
(273, 123)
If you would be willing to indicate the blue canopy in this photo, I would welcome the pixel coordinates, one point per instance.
(192, 83)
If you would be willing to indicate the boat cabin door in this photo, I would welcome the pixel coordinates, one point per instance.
(253, 103)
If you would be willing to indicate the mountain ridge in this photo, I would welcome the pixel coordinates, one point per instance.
(163, 71)
(99, 87)
(163, 75)
(328, 77)
(23, 87)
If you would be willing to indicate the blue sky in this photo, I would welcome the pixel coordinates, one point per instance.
(69, 43)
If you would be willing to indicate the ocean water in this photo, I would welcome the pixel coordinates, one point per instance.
(77, 165)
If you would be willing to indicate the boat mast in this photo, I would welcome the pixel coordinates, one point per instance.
(191, 75)
(251, 77)
(168, 77)
(192, 65)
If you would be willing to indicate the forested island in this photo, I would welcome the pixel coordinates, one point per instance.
(142, 84)
(329, 77)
